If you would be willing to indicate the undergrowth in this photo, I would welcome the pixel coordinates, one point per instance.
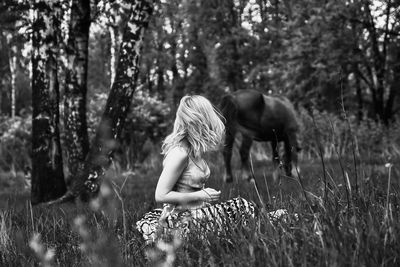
(343, 210)
(318, 230)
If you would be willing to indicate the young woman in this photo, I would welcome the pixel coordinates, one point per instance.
(181, 187)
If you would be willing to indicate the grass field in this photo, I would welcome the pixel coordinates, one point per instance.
(354, 224)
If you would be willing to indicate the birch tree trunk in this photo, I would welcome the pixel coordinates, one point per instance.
(86, 183)
(47, 172)
(113, 51)
(113, 25)
(76, 135)
(12, 59)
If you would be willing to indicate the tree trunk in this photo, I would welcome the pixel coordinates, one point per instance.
(160, 83)
(113, 25)
(113, 29)
(76, 135)
(235, 77)
(388, 112)
(177, 90)
(160, 73)
(379, 65)
(87, 181)
(47, 172)
(289, 9)
(12, 59)
(360, 100)
(1, 98)
(263, 10)
(394, 88)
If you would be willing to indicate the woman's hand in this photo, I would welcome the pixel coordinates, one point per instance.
(210, 194)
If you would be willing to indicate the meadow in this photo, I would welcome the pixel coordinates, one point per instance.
(342, 210)
(353, 225)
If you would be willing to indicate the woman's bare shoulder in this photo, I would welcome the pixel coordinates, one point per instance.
(178, 151)
(177, 154)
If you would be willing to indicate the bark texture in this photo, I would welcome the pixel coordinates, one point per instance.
(113, 51)
(76, 135)
(86, 183)
(47, 172)
(12, 59)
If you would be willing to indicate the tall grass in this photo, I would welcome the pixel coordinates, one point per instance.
(328, 222)
(103, 234)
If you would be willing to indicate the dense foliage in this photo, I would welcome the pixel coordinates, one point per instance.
(15, 143)
(322, 55)
(312, 51)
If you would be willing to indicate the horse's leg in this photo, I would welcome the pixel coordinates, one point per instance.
(244, 156)
(291, 149)
(275, 159)
(288, 158)
(229, 141)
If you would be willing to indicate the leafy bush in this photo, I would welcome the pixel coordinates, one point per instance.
(148, 114)
(15, 142)
(145, 125)
(341, 135)
(149, 119)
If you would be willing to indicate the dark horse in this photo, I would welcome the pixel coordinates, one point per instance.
(262, 118)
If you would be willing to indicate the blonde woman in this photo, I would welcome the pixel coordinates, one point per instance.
(198, 129)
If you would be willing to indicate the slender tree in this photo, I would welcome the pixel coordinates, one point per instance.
(76, 135)
(383, 94)
(87, 181)
(13, 17)
(113, 29)
(47, 172)
(115, 15)
(12, 58)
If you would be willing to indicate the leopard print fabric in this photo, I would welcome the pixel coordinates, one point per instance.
(217, 218)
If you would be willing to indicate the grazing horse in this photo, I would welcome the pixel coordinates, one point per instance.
(262, 118)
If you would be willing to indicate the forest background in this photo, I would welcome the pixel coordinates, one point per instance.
(327, 57)
(337, 61)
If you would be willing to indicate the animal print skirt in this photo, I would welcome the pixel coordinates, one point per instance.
(211, 218)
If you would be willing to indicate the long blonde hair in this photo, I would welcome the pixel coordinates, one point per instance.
(197, 122)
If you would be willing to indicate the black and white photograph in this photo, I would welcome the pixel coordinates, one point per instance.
(199, 133)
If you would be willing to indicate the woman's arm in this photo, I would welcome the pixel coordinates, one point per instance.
(174, 164)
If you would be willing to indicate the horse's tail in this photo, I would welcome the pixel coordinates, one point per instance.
(229, 111)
